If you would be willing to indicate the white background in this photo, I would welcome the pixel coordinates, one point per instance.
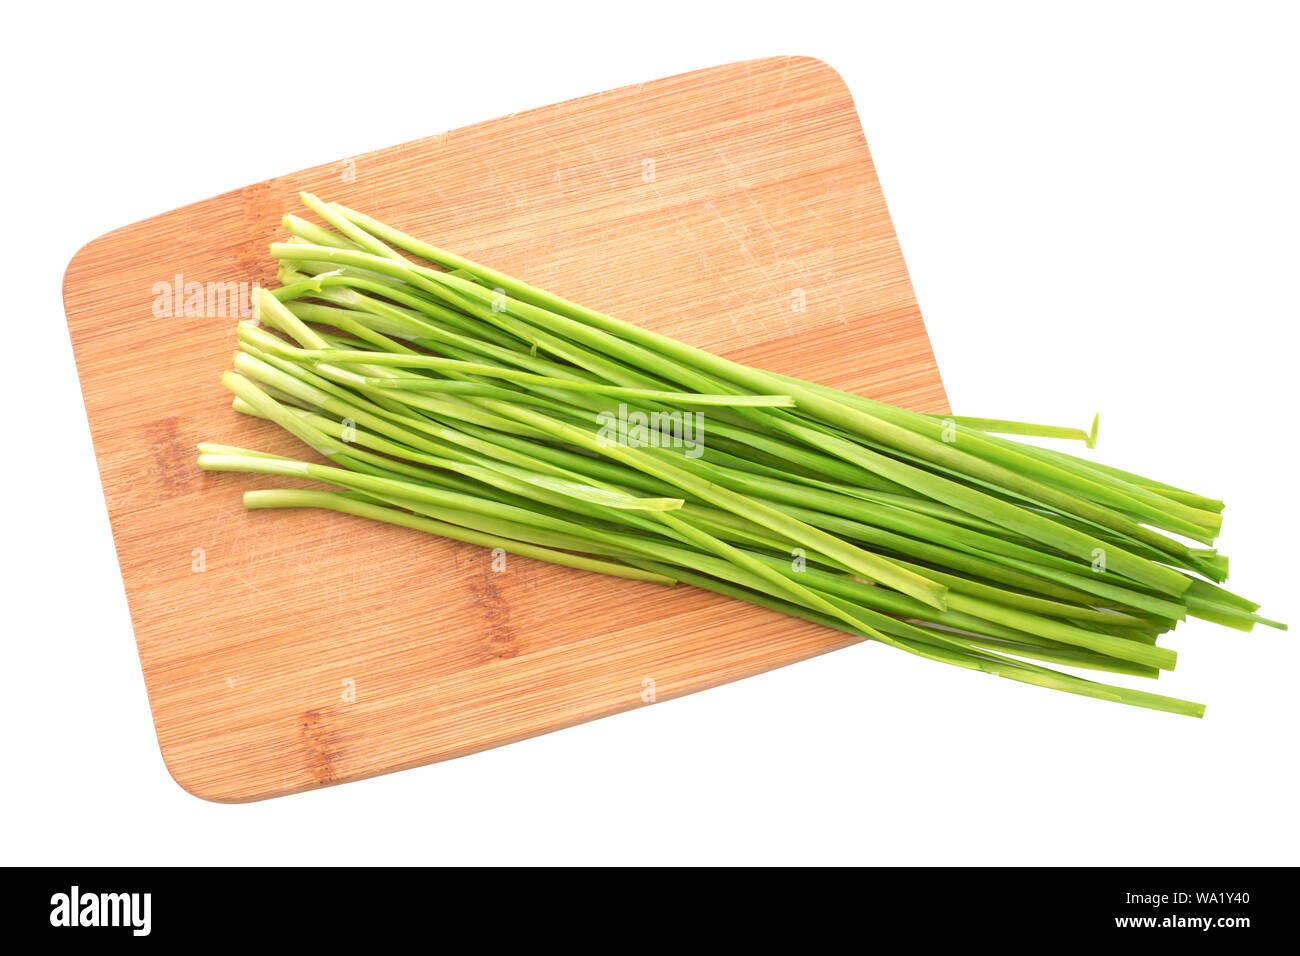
(1099, 208)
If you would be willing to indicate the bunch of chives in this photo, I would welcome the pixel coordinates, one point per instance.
(450, 398)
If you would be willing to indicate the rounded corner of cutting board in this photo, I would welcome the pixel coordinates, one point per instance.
(190, 778)
(817, 63)
(72, 272)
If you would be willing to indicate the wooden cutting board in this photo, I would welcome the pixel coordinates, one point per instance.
(736, 208)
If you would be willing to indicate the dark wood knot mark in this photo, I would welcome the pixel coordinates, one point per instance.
(323, 745)
(173, 463)
(263, 207)
(494, 609)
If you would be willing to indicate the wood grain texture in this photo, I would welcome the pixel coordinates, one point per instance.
(698, 205)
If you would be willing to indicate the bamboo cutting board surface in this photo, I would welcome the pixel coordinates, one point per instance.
(736, 208)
